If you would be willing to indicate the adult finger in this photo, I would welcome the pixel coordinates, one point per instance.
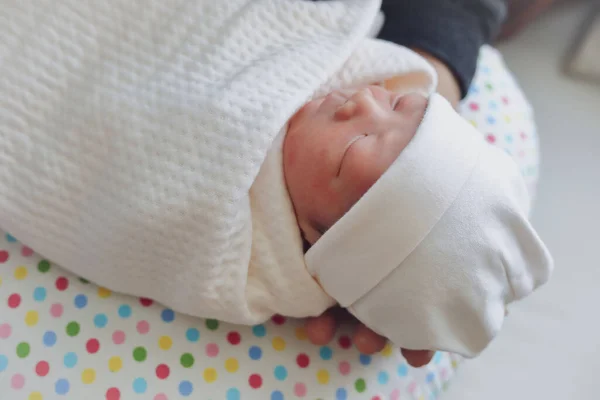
(367, 341)
(418, 358)
(321, 330)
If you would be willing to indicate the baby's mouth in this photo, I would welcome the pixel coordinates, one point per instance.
(354, 140)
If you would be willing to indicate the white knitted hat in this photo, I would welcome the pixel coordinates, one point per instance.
(437, 248)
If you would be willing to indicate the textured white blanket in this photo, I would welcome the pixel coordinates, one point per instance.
(140, 140)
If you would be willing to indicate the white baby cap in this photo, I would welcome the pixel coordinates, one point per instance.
(436, 249)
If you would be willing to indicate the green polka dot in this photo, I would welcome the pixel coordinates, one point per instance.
(23, 349)
(139, 354)
(212, 324)
(489, 86)
(44, 266)
(84, 281)
(360, 385)
(187, 360)
(73, 329)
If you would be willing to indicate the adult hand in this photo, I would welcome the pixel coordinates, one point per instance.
(447, 84)
(321, 330)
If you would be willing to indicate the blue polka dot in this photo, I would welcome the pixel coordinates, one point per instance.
(124, 311)
(473, 89)
(80, 301)
(70, 360)
(3, 362)
(192, 334)
(280, 373)
(255, 352)
(49, 338)
(491, 120)
(100, 320)
(10, 238)
(493, 105)
(186, 388)
(39, 294)
(430, 377)
(383, 377)
(326, 353)
(508, 138)
(62, 386)
(233, 394)
(140, 385)
(167, 315)
(259, 331)
(438, 357)
(365, 359)
(485, 70)
(341, 394)
(403, 370)
(277, 395)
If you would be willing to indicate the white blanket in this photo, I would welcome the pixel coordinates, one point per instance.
(146, 136)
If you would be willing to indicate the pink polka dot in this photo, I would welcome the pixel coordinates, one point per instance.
(474, 106)
(344, 368)
(14, 300)
(56, 310)
(395, 395)
(505, 100)
(345, 342)
(278, 319)
(17, 381)
(491, 138)
(5, 331)
(376, 398)
(42, 368)
(161, 396)
(234, 338)
(143, 327)
(3, 256)
(412, 387)
(118, 337)
(113, 394)
(26, 251)
(300, 389)
(523, 135)
(212, 350)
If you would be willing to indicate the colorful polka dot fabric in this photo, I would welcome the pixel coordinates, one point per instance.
(63, 337)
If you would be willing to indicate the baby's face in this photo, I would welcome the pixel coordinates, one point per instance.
(338, 146)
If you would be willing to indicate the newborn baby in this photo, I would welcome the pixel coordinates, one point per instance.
(190, 169)
(431, 256)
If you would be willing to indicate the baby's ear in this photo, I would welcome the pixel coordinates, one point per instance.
(409, 82)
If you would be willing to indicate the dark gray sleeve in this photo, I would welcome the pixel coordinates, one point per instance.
(451, 30)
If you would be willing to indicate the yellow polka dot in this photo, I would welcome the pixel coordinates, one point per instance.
(115, 364)
(387, 350)
(31, 318)
(210, 375)
(507, 118)
(165, 342)
(88, 376)
(35, 396)
(421, 397)
(323, 377)
(232, 365)
(20, 273)
(0, 281)
(454, 364)
(301, 333)
(278, 343)
(473, 123)
(104, 292)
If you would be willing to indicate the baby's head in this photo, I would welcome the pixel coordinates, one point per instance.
(339, 145)
(418, 226)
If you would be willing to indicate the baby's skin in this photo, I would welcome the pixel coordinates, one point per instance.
(339, 145)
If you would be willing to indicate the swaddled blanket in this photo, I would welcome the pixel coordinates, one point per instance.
(145, 136)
